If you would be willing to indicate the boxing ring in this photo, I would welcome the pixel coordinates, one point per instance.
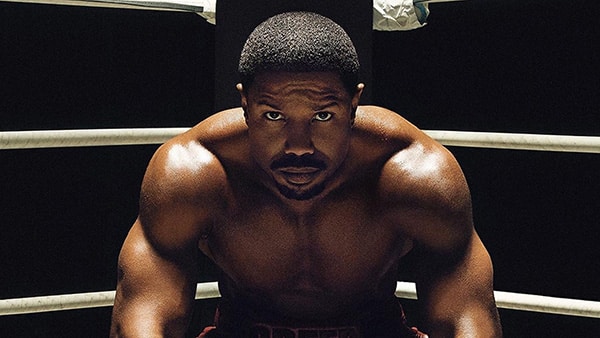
(144, 136)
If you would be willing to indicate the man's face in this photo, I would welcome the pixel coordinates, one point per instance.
(299, 127)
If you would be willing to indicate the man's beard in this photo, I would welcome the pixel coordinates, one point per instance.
(301, 195)
(299, 161)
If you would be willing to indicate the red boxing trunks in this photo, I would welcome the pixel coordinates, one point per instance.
(383, 321)
(268, 331)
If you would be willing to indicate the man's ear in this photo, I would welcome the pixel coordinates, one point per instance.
(356, 98)
(243, 99)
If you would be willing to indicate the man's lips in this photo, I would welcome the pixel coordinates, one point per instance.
(293, 162)
(299, 175)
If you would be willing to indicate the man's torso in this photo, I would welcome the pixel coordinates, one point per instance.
(317, 258)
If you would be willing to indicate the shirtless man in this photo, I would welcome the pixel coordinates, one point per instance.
(307, 202)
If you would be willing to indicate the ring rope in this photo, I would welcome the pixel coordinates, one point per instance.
(407, 290)
(195, 6)
(85, 137)
(139, 136)
(525, 302)
(517, 141)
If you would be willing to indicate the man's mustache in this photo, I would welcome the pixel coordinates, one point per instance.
(297, 161)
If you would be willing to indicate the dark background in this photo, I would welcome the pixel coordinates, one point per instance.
(509, 66)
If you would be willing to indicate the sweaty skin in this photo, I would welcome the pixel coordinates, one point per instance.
(308, 203)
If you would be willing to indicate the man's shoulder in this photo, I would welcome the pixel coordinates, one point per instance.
(423, 167)
(183, 169)
(379, 117)
(182, 189)
(414, 154)
(225, 135)
(419, 169)
(383, 125)
(204, 146)
(425, 191)
(221, 126)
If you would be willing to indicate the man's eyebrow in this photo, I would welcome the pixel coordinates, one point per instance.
(264, 96)
(267, 101)
(331, 95)
(328, 104)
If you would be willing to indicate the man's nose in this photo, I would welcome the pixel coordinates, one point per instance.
(299, 141)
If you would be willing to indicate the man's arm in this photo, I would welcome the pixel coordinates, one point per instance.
(455, 291)
(157, 264)
(455, 275)
(154, 292)
(455, 286)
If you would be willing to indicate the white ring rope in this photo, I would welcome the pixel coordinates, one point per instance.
(196, 6)
(565, 143)
(166, 5)
(112, 137)
(85, 137)
(505, 300)
(525, 302)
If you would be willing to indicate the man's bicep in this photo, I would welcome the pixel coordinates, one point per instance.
(454, 272)
(154, 291)
(161, 247)
(455, 284)
(456, 290)
(141, 262)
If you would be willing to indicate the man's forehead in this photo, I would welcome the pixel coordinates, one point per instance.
(323, 84)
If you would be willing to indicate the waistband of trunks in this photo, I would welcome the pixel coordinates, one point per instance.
(270, 331)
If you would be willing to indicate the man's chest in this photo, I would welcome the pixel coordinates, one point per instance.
(341, 242)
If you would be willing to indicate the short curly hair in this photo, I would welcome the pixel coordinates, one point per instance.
(299, 42)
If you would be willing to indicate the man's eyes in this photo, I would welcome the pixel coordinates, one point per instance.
(323, 116)
(273, 116)
(320, 116)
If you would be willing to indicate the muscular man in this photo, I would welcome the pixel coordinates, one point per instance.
(308, 203)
